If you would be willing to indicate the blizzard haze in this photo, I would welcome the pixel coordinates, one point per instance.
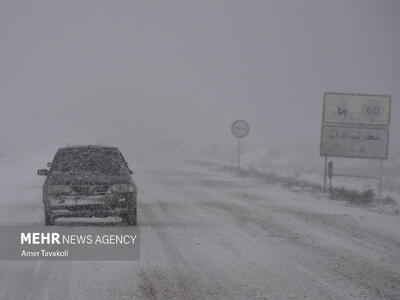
(163, 81)
(102, 71)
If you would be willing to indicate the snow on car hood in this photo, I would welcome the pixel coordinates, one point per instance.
(82, 179)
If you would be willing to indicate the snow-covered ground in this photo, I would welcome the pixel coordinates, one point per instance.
(212, 235)
(303, 164)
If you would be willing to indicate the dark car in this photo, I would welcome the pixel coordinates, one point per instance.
(86, 181)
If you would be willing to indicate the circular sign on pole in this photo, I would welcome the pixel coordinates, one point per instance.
(240, 128)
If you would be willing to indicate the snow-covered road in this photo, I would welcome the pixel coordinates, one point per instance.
(207, 235)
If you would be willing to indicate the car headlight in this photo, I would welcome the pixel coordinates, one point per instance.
(59, 189)
(122, 188)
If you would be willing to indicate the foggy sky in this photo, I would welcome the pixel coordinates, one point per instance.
(74, 71)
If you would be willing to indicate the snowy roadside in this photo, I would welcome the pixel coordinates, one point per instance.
(304, 163)
(364, 198)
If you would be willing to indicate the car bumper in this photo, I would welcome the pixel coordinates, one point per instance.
(88, 206)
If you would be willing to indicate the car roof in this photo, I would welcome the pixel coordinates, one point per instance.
(77, 147)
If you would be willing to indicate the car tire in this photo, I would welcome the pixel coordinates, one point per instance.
(48, 219)
(131, 217)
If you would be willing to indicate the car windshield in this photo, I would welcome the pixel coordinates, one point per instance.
(106, 161)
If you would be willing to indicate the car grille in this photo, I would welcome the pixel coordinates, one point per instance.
(91, 190)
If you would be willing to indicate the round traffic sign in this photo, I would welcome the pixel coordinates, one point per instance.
(240, 128)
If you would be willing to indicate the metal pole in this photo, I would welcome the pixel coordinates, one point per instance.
(238, 161)
(380, 181)
(325, 167)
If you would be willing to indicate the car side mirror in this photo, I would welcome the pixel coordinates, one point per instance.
(43, 172)
(49, 164)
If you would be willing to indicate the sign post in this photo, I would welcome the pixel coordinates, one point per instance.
(355, 126)
(325, 172)
(239, 129)
(238, 160)
(380, 180)
(330, 174)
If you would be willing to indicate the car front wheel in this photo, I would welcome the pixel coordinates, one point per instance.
(130, 218)
(48, 219)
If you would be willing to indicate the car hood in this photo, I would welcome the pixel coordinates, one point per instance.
(87, 179)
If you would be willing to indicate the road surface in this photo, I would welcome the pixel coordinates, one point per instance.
(208, 235)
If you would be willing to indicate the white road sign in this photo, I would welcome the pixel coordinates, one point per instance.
(355, 125)
(356, 109)
(240, 128)
(353, 141)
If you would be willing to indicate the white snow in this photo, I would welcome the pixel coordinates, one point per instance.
(208, 235)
